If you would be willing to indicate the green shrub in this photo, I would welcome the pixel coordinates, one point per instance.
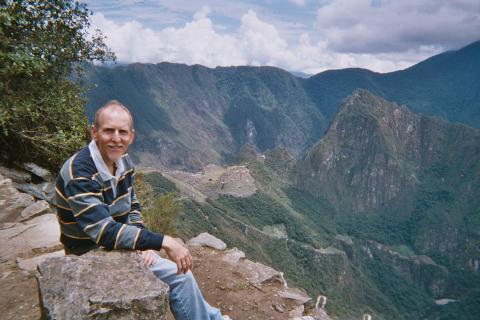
(160, 217)
(41, 110)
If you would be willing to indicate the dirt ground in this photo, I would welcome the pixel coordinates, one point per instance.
(221, 283)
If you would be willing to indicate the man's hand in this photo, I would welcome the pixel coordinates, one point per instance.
(178, 254)
(149, 257)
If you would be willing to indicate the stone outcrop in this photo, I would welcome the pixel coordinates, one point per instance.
(40, 233)
(101, 285)
(33, 180)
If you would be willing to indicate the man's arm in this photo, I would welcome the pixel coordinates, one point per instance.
(135, 214)
(175, 251)
(85, 198)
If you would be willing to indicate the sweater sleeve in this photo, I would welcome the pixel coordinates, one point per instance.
(135, 215)
(85, 198)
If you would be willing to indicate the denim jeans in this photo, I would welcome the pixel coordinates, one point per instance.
(186, 300)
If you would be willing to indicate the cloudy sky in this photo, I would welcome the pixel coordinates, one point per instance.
(297, 35)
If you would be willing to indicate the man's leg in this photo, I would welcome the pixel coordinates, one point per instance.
(186, 300)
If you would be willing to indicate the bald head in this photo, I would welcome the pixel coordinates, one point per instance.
(113, 105)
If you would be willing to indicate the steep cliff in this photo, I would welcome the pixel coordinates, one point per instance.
(418, 174)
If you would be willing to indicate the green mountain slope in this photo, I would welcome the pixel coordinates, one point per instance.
(187, 117)
(381, 215)
(408, 181)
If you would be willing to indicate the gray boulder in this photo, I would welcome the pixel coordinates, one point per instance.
(38, 171)
(101, 285)
(44, 190)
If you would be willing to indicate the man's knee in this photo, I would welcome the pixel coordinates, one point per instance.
(187, 278)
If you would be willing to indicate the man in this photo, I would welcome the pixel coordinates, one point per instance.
(97, 206)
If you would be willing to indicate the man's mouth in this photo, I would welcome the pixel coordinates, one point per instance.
(115, 147)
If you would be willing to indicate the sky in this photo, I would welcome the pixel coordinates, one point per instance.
(306, 36)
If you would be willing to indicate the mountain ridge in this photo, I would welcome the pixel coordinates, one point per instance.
(189, 116)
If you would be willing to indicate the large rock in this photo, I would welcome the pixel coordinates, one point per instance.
(42, 232)
(101, 285)
(207, 240)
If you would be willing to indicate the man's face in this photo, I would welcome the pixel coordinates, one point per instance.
(114, 133)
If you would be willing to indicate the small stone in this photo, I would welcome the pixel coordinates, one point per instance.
(32, 263)
(207, 240)
(35, 209)
(297, 295)
(233, 255)
(279, 308)
(297, 311)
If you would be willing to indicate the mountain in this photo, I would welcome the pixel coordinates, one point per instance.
(406, 181)
(380, 215)
(446, 85)
(419, 175)
(189, 116)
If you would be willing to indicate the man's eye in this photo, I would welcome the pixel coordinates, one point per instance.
(123, 133)
(109, 131)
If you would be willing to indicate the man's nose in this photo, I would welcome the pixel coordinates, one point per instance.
(116, 136)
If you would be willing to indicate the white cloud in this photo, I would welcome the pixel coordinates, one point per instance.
(256, 42)
(394, 26)
(300, 3)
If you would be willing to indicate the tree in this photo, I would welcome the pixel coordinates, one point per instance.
(43, 45)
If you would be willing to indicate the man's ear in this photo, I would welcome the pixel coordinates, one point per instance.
(133, 136)
(93, 132)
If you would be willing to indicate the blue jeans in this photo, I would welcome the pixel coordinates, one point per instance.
(186, 300)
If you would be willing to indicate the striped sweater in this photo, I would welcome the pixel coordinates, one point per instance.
(89, 213)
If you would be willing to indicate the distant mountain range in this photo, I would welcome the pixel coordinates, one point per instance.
(189, 116)
(368, 177)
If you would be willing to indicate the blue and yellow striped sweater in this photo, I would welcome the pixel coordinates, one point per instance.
(89, 213)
